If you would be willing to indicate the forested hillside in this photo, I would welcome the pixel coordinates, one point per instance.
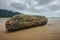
(6, 14)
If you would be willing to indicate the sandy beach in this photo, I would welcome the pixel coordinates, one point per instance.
(50, 31)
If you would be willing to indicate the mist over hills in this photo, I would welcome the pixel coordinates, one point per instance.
(7, 14)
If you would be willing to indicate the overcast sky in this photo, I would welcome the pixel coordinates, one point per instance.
(49, 8)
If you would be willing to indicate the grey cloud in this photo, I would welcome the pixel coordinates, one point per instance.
(54, 7)
(32, 9)
(4, 1)
(43, 2)
(22, 7)
(29, 2)
(4, 4)
(46, 10)
(19, 6)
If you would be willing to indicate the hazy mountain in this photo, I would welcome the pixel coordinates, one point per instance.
(6, 13)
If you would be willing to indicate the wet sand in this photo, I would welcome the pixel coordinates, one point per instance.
(50, 31)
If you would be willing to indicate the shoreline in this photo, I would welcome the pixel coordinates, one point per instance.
(50, 31)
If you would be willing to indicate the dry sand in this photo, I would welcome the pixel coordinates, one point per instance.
(51, 31)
